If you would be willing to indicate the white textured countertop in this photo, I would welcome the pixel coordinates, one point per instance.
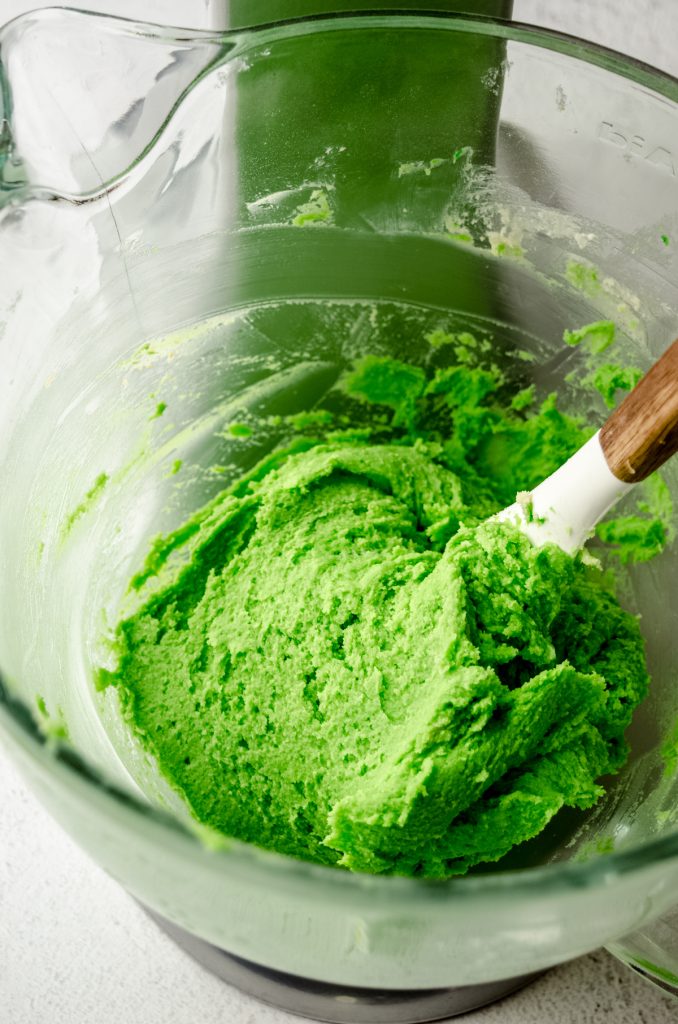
(75, 949)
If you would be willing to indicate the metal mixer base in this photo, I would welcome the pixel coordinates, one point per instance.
(339, 1004)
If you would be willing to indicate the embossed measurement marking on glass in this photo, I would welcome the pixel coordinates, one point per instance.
(638, 146)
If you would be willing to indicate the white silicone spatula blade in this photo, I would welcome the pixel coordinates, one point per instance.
(637, 439)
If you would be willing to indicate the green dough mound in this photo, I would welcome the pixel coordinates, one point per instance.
(338, 659)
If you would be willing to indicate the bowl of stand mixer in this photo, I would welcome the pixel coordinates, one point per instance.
(293, 238)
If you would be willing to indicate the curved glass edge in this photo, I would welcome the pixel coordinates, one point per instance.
(652, 951)
(16, 717)
(518, 31)
(65, 762)
(235, 43)
(656, 974)
(126, 26)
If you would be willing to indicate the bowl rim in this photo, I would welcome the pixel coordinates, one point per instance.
(19, 722)
(594, 53)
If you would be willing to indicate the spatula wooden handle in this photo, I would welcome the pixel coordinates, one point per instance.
(643, 432)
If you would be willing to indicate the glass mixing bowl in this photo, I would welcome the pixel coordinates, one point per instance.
(212, 227)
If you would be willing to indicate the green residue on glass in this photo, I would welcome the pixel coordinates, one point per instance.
(633, 538)
(669, 752)
(438, 338)
(52, 726)
(316, 211)
(210, 838)
(239, 430)
(595, 848)
(86, 505)
(159, 410)
(509, 250)
(145, 352)
(665, 239)
(656, 501)
(597, 337)
(310, 420)
(420, 167)
(459, 236)
(659, 972)
(467, 348)
(470, 350)
(610, 378)
(584, 277)
(350, 435)
(639, 537)
(523, 399)
(456, 231)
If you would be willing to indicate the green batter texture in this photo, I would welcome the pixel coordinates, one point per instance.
(341, 659)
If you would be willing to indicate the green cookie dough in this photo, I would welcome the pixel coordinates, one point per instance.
(339, 659)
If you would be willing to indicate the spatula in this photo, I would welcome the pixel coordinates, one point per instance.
(640, 435)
